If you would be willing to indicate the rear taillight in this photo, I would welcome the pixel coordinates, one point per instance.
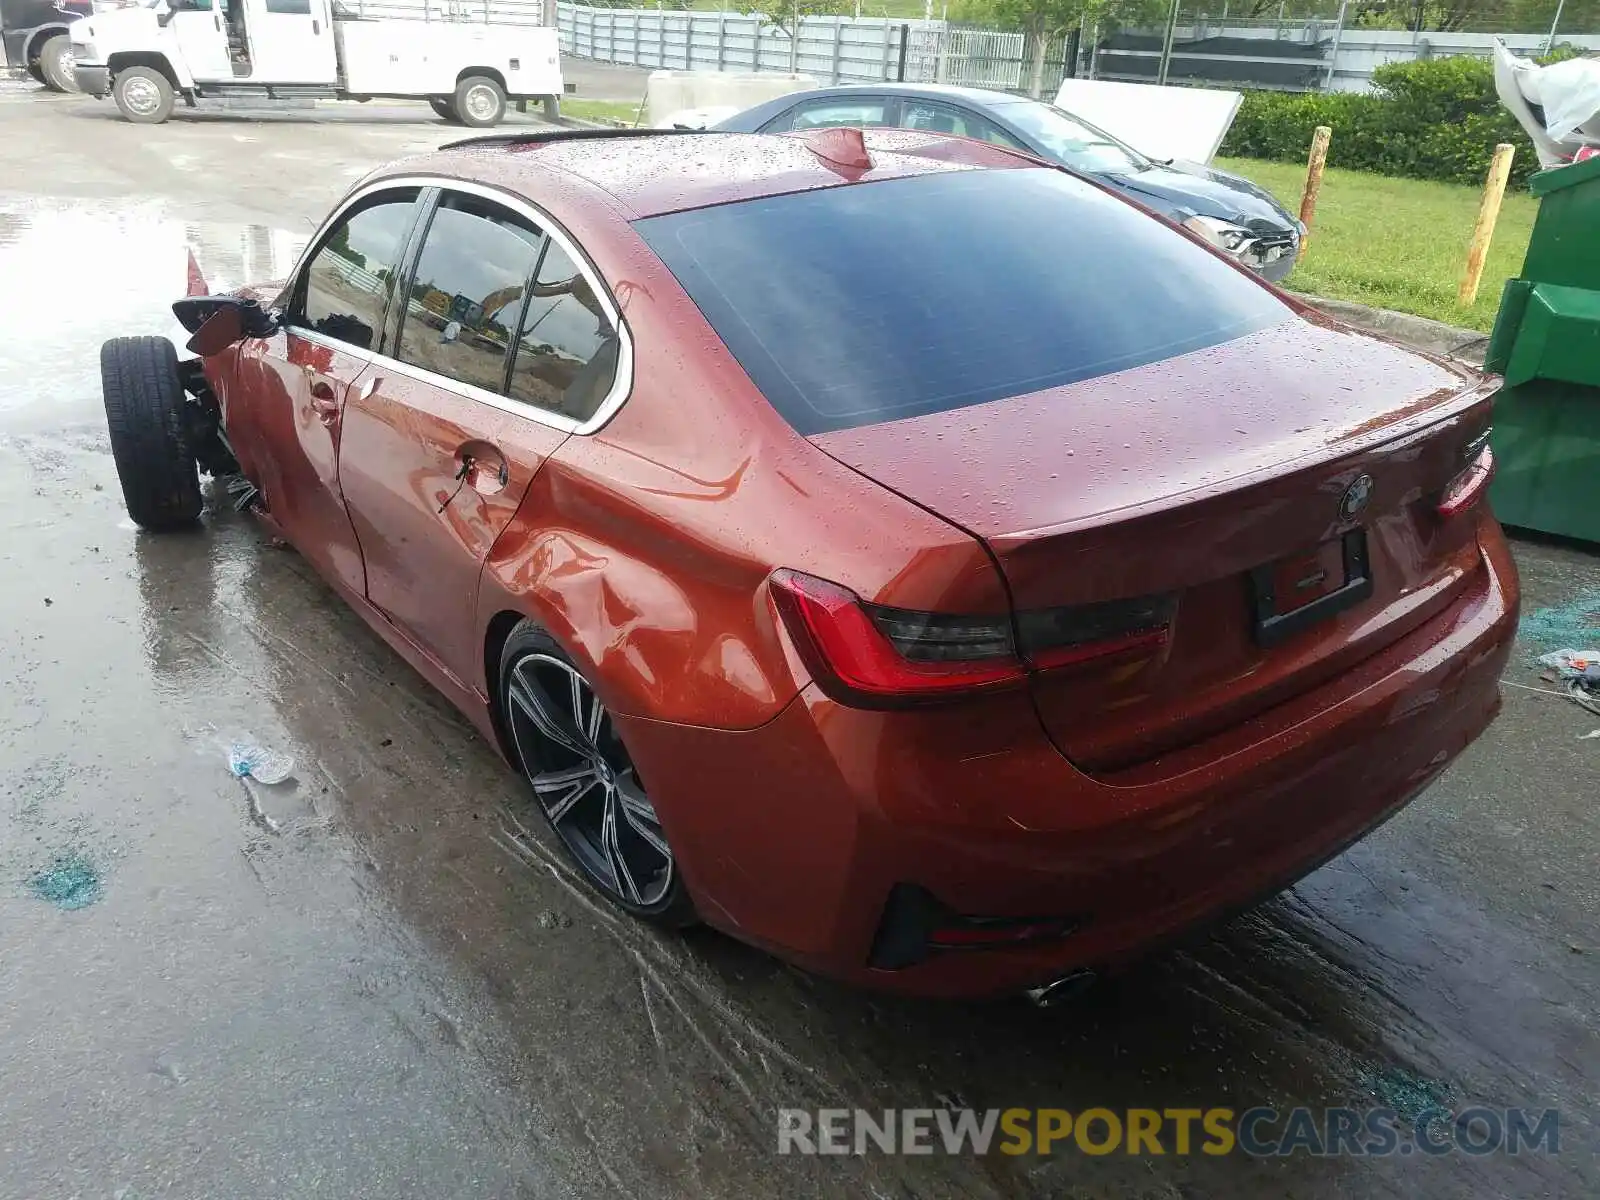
(1467, 488)
(868, 655)
(1060, 637)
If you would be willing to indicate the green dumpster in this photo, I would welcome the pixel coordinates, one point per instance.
(1546, 343)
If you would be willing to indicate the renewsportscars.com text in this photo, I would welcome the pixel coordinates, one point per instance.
(1259, 1132)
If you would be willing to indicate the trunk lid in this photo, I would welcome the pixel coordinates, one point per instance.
(1215, 478)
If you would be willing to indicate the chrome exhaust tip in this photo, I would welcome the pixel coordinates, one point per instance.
(1074, 983)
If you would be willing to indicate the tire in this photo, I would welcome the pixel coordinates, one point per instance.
(480, 102)
(144, 96)
(55, 64)
(444, 109)
(146, 412)
(584, 782)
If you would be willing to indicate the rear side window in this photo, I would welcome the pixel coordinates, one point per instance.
(566, 355)
(467, 292)
(853, 305)
(347, 282)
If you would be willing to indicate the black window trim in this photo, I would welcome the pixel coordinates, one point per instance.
(554, 232)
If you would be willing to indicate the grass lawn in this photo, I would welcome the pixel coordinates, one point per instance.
(625, 111)
(1397, 243)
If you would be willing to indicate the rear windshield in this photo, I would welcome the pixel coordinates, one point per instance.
(854, 305)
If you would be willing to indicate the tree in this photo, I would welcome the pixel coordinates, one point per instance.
(1044, 21)
(787, 16)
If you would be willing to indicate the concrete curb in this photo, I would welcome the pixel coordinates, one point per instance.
(1448, 341)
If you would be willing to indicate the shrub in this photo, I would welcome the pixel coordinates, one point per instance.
(1427, 119)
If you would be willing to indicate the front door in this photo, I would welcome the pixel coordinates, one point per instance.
(437, 456)
(201, 30)
(291, 41)
(301, 380)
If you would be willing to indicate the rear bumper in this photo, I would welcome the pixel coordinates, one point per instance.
(793, 835)
(92, 81)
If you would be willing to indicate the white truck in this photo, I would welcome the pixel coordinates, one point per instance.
(465, 61)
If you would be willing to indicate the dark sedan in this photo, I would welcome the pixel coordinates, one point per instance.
(1226, 209)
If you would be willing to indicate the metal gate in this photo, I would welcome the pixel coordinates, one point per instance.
(985, 58)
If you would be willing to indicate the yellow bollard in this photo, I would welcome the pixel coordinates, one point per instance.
(1494, 190)
(1308, 198)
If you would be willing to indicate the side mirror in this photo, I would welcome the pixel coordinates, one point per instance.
(217, 322)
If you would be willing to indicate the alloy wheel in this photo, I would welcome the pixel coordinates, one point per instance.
(585, 781)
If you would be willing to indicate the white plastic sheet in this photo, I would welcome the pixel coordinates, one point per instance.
(1160, 122)
(1567, 93)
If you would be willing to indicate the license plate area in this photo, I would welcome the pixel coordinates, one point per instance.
(1296, 592)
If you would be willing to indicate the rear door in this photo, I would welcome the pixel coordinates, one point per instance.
(291, 41)
(287, 423)
(505, 344)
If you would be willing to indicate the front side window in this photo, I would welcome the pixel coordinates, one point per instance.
(940, 118)
(936, 118)
(467, 292)
(829, 115)
(566, 356)
(347, 282)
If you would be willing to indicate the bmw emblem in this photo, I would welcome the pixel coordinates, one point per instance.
(1355, 497)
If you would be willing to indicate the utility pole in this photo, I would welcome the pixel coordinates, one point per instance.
(1551, 40)
(1166, 43)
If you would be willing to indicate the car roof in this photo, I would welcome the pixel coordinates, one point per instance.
(649, 172)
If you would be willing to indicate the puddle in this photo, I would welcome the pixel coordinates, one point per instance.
(70, 883)
(103, 270)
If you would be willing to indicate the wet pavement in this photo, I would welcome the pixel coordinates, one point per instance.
(381, 980)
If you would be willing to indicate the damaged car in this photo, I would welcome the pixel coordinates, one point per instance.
(1227, 210)
(947, 605)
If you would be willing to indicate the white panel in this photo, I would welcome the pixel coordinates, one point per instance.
(1160, 122)
(417, 58)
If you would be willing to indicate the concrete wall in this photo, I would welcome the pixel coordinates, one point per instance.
(1360, 50)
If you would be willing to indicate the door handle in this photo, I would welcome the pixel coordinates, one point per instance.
(370, 386)
(482, 467)
(324, 403)
(316, 27)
